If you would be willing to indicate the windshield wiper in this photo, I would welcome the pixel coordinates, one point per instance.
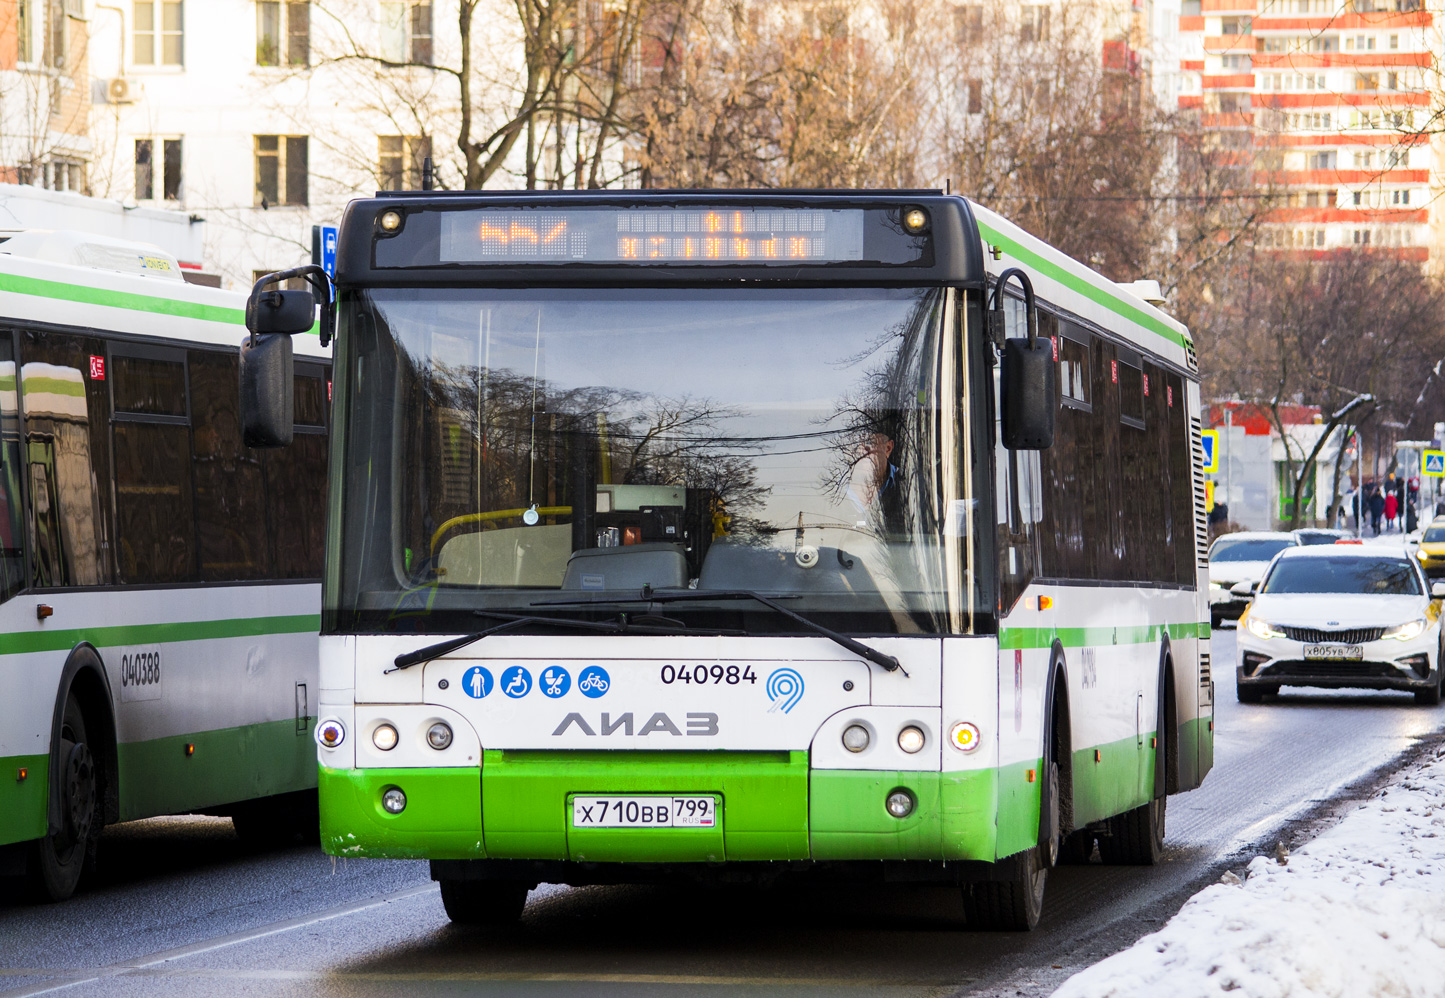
(512, 621)
(888, 662)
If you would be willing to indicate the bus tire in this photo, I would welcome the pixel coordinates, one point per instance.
(56, 862)
(1012, 905)
(1137, 837)
(493, 904)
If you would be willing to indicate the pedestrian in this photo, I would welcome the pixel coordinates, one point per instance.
(1377, 510)
(1355, 507)
(1392, 509)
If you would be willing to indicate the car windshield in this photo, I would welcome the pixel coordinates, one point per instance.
(511, 449)
(1248, 549)
(1383, 576)
(1433, 535)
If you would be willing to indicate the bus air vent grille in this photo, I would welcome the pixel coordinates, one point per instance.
(1201, 517)
(1204, 669)
(1190, 355)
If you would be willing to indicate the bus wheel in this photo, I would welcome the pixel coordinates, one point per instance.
(1012, 905)
(57, 861)
(492, 904)
(1137, 837)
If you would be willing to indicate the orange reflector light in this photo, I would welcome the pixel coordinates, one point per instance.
(1031, 776)
(44, 611)
(21, 774)
(1153, 743)
(1046, 602)
(190, 749)
(1211, 725)
(1098, 756)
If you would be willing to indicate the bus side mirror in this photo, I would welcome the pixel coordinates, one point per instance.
(268, 398)
(1027, 394)
(280, 312)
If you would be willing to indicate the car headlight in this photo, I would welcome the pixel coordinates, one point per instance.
(1216, 585)
(1422, 556)
(1404, 632)
(1262, 628)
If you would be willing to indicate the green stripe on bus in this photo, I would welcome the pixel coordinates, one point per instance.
(54, 386)
(1083, 287)
(137, 634)
(1081, 637)
(60, 291)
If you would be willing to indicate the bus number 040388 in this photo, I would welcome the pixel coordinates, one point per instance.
(732, 675)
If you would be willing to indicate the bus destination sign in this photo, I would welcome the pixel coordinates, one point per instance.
(684, 236)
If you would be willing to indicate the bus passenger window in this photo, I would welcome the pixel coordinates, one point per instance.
(155, 532)
(12, 530)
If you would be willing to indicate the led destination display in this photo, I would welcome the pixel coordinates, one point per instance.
(658, 236)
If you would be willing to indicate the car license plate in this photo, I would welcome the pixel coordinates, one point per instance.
(644, 812)
(1342, 653)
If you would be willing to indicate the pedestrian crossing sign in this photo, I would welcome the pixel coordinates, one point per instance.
(1211, 451)
(1433, 463)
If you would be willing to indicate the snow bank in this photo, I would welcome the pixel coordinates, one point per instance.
(1358, 912)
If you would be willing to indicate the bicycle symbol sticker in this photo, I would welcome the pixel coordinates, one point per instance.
(593, 682)
(477, 682)
(555, 682)
(785, 689)
(516, 682)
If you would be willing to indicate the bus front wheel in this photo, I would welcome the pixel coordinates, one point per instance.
(492, 904)
(1012, 905)
(57, 860)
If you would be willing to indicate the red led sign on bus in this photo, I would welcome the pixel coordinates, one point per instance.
(656, 236)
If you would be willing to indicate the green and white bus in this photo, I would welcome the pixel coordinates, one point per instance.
(159, 580)
(738, 535)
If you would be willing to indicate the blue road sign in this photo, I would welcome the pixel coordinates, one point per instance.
(1433, 462)
(1210, 439)
(323, 248)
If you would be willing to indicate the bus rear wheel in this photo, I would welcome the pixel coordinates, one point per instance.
(493, 904)
(57, 860)
(1012, 905)
(1137, 836)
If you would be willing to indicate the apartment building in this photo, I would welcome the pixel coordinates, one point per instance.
(1329, 104)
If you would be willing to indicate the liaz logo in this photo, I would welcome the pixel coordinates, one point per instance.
(785, 689)
(659, 723)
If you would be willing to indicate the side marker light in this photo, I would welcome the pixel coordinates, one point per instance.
(21, 774)
(1030, 776)
(1098, 756)
(1046, 602)
(330, 734)
(190, 749)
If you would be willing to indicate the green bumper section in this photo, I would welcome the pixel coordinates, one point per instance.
(953, 817)
(770, 807)
(22, 801)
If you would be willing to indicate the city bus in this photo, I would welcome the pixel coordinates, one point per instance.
(727, 536)
(159, 581)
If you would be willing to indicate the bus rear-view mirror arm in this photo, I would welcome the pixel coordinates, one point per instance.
(267, 366)
(1027, 398)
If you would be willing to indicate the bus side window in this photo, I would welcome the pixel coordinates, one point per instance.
(155, 528)
(66, 408)
(12, 529)
(231, 525)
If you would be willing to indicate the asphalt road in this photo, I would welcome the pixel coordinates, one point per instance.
(183, 908)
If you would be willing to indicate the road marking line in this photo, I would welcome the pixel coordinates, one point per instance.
(143, 963)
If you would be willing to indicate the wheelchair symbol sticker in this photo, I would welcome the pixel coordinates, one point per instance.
(477, 682)
(516, 682)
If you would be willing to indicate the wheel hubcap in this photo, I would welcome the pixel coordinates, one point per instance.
(78, 803)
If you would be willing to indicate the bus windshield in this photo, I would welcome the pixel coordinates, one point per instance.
(508, 451)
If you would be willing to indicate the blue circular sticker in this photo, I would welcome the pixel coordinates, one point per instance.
(593, 682)
(476, 682)
(555, 681)
(516, 682)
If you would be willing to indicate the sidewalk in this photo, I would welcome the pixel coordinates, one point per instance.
(1359, 911)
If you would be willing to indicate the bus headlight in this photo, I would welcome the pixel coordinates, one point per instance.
(393, 800)
(330, 734)
(900, 803)
(1405, 632)
(384, 737)
(439, 735)
(855, 738)
(911, 739)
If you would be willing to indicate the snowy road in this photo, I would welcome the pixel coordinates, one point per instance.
(185, 909)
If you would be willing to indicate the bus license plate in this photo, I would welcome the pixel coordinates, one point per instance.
(644, 812)
(1338, 653)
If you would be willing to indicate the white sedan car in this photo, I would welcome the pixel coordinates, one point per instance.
(1341, 616)
(1241, 557)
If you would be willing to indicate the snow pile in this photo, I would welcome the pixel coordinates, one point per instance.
(1359, 911)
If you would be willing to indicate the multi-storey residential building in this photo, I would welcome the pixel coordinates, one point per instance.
(1328, 103)
(45, 93)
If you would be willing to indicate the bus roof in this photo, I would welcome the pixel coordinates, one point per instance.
(42, 291)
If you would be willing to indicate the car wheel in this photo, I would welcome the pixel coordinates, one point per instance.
(1249, 693)
(1430, 697)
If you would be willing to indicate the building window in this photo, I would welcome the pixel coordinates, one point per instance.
(1234, 26)
(283, 32)
(401, 158)
(170, 169)
(968, 20)
(1320, 161)
(1034, 24)
(280, 170)
(290, 284)
(158, 32)
(25, 31)
(406, 31)
(975, 96)
(63, 175)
